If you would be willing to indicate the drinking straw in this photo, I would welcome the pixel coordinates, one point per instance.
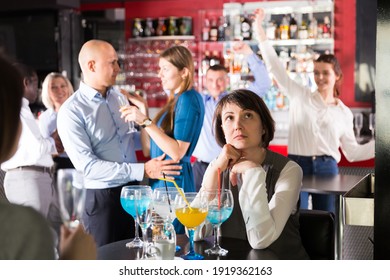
(219, 188)
(179, 190)
(166, 189)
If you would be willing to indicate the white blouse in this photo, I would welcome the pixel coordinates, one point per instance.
(316, 128)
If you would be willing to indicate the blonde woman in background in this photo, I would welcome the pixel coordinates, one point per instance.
(56, 88)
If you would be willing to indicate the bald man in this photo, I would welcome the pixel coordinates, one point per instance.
(98, 144)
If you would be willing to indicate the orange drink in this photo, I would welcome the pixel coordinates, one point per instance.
(191, 218)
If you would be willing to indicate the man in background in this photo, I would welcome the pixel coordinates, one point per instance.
(217, 81)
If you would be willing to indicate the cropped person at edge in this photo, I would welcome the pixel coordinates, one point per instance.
(25, 233)
(29, 180)
(96, 140)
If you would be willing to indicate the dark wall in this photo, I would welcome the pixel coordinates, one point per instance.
(31, 37)
(365, 49)
(382, 149)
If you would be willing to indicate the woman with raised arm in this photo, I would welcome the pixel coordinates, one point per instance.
(319, 122)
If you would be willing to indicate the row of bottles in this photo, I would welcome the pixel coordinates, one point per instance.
(171, 26)
(239, 27)
(288, 28)
(227, 28)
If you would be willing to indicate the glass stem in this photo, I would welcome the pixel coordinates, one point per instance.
(215, 229)
(191, 238)
(145, 243)
(136, 234)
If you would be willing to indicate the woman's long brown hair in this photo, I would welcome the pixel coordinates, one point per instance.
(181, 58)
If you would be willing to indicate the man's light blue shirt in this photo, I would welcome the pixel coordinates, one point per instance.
(207, 148)
(96, 139)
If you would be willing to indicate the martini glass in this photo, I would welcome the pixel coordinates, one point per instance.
(191, 210)
(163, 202)
(128, 203)
(220, 208)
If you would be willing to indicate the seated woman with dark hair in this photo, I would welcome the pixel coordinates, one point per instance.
(265, 184)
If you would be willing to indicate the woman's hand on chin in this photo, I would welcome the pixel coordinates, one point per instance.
(227, 158)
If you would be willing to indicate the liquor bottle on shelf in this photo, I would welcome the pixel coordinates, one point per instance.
(313, 28)
(185, 27)
(284, 29)
(149, 29)
(279, 101)
(228, 29)
(221, 29)
(172, 28)
(138, 30)
(205, 63)
(293, 28)
(206, 30)
(246, 27)
(237, 28)
(270, 30)
(326, 28)
(161, 29)
(270, 96)
(213, 30)
(303, 32)
(215, 58)
(228, 60)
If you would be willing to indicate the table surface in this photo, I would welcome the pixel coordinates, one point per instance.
(238, 250)
(336, 184)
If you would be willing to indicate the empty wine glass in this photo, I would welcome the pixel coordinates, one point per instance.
(144, 210)
(372, 124)
(358, 123)
(71, 194)
(123, 102)
(164, 202)
(128, 203)
(220, 208)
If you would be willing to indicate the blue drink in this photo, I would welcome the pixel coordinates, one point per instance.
(143, 204)
(128, 203)
(217, 216)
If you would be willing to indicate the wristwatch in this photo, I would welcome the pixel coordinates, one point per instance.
(146, 123)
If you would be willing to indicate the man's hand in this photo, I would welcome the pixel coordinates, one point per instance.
(155, 168)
